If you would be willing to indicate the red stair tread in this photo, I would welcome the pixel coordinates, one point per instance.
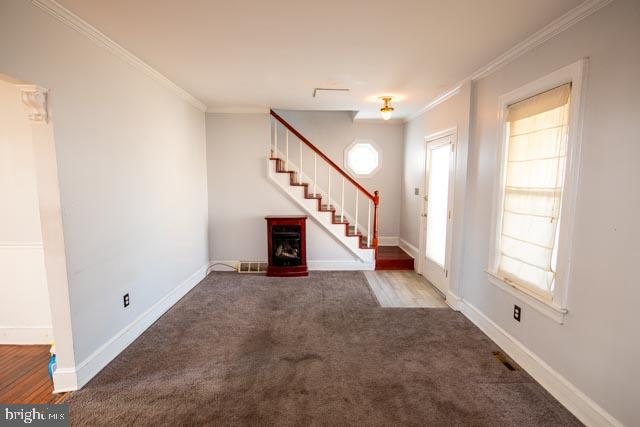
(393, 258)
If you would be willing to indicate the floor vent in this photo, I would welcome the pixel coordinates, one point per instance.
(502, 358)
(252, 267)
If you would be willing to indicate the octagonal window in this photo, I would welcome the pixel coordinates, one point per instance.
(362, 158)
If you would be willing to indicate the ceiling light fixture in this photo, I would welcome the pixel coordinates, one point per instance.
(386, 109)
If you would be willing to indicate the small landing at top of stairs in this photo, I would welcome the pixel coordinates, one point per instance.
(393, 258)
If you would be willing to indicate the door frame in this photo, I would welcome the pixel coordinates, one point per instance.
(451, 132)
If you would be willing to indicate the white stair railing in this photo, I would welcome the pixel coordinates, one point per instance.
(371, 226)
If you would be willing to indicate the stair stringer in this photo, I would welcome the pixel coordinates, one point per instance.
(323, 218)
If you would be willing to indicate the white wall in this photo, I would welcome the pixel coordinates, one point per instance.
(25, 317)
(332, 132)
(132, 172)
(451, 114)
(598, 346)
(241, 194)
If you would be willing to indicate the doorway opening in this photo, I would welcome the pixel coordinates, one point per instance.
(34, 310)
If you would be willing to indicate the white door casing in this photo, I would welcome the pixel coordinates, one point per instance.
(437, 209)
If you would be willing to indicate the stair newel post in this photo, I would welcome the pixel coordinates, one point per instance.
(300, 168)
(329, 189)
(376, 202)
(355, 219)
(342, 202)
(286, 150)
(315, 172)
(368, 222)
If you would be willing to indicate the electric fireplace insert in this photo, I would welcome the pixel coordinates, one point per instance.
(286, 236)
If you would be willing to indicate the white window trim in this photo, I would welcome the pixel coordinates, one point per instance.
(555, 305)
(362, 141)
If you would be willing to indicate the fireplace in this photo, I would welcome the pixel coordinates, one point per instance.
(286, 237)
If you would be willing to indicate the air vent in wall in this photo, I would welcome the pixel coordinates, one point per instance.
(252, 267)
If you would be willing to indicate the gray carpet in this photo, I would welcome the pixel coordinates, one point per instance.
(252, 350)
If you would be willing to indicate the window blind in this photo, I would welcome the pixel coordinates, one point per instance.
(534, 176)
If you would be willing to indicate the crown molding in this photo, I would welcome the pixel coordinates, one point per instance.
(73, 21)
(238, 110)
(551, 30)
(436, 101)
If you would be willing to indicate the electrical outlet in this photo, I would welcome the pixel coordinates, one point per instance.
(126, 300)
(516, 312)
(416, 191)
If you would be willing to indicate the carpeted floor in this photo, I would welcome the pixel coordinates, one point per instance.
(252, 350)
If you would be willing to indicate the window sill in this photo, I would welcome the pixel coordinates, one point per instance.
(547, 308)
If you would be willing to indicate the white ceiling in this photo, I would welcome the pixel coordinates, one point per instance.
(247, 55)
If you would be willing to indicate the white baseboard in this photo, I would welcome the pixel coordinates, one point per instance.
(223, 265)
(585, 409)
(388, 241)
(320, 265)
(70, 379)
(454, 301)
(26, 335)
(340, 265)
(409, 248)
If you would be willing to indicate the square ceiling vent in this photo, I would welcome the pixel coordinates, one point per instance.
(330, 93)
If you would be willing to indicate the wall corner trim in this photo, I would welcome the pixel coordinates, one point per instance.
(409, 248)
(578, 403)
(70, 379)
(564, 22)
(73, 21)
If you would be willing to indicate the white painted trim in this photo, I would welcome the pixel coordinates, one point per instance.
(26, 335)
(238, 110)
(556, 27)
(345, 155)
(554, 312)
(450, 93)
(222, 265)
(575, 74)
(73, 21)
(453, 300)
(318, 265)
(388, 241)
(74, 378)
(362, 254)
(341, 265)
(408, 248)
(452, 134)
(578, 403)
(19, 245)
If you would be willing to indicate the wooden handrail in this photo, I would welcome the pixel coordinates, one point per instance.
(326, 159)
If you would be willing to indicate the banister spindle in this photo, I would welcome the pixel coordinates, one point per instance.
(286, 150)
(368, 222)
(329, 190)
(315, 172)
(342, 202)
(300, 166)
(275, 139)
(355, 220)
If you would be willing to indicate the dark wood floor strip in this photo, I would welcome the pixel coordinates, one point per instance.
(24, 377)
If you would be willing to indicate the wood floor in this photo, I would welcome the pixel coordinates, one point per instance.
(403, 289)
(393, 258)
(24, 376)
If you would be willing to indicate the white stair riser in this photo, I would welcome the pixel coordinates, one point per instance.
(297, 193)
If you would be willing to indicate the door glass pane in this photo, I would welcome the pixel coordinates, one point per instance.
(437, 204)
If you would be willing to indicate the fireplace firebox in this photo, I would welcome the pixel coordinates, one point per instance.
(286, 236)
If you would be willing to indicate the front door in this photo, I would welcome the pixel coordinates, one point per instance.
(436, 212)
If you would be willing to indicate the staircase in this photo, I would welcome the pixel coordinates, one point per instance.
(311, 188)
